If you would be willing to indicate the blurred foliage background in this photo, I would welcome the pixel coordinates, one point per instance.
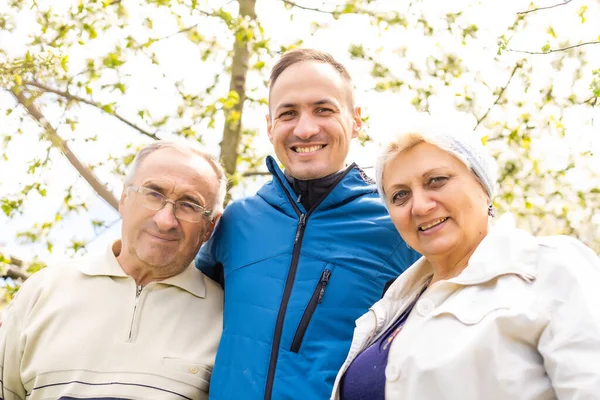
(83, 84)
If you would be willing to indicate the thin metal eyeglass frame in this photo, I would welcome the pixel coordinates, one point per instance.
(205, 213)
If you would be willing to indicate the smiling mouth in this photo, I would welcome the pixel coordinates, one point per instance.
(308, 149)
(163, 238)
(432, 224)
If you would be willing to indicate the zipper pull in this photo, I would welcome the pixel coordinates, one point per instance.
(301, 224)
(324, 281)
(138, 290)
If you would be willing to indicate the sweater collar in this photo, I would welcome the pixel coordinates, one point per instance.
(190, 279)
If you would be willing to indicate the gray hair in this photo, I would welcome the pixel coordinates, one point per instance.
(184, 146)
(464, 146)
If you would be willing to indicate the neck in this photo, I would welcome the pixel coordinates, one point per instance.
(445, 268)
(311, 192)
(448, 266)
(141, 272)
(313, 180)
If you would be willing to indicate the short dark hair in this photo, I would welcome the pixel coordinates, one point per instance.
(300, 55)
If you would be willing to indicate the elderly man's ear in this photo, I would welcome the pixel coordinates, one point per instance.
(211, 227)
(122, 199)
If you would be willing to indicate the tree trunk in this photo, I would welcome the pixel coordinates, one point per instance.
(232, 132)
(60, 144)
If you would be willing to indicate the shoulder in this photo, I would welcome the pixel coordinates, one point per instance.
(566, 267)
(242, 205)
(567, 254)
(213, 289)
(42, 283)
(214, 293)
(55, 273)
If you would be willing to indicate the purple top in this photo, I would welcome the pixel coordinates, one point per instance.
(365, 377)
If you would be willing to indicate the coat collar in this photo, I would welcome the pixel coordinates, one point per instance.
(505, 250)
(190, 279)
(354, 184)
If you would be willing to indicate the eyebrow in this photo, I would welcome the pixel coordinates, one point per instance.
(434, 171)
(186, 197)
(426, 174)
(316, 103)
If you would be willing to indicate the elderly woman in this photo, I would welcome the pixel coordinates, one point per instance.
(487, 312)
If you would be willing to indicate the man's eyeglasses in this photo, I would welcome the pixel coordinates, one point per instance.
(184, 210)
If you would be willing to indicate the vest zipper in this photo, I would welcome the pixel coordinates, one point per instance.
(138, 292)
(315, 299)
(289, 282)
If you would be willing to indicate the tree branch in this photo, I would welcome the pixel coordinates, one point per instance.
(72, 97)
(16, 273)
(592, 101)
(60, 144)
(293, 4)
(13, 270)
(545, 8)
(189, 28)
(255, 173)
(514, 71)
(240, 63)
(15, 261)
(555, 50)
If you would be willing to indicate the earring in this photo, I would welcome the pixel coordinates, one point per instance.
(491, 210)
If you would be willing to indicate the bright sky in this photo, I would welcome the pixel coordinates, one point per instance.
(387, 112)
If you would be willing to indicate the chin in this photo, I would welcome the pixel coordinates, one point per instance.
(310, 173)
(437, 251)
(157, 259)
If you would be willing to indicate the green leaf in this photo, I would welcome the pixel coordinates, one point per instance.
(64, 63)
(120, 87)
(546, 48)
(581, 13)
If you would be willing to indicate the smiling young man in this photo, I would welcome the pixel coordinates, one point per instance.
(124, 324)
(305, 256)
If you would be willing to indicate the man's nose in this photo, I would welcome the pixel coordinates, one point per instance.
(165, 217)
(307, 126)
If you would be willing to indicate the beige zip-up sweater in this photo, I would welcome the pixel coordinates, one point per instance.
(85, 330)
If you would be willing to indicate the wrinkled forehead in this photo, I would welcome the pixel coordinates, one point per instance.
(418, 160)
(184, 170)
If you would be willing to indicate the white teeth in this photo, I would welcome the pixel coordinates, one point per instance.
(432, 224)
(308, 149)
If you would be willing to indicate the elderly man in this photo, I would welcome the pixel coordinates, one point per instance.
(307, 255)
(126, 324)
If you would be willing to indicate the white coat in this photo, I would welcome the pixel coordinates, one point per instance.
(521, 321)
